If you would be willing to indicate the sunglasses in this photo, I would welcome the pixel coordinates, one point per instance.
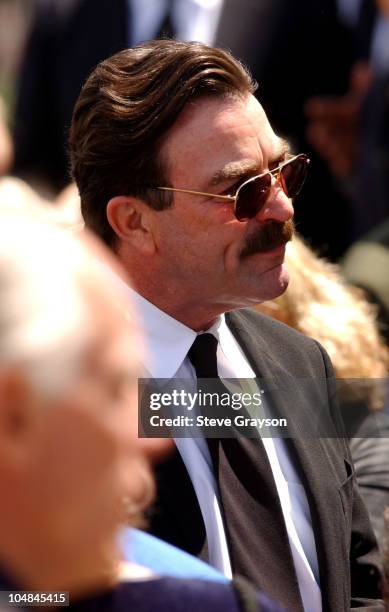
(251, 196)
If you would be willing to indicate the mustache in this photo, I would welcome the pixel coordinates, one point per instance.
(270, 236)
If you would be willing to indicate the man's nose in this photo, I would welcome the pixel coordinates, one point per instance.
(278, 206)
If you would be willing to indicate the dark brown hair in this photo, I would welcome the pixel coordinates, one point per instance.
(124, 109)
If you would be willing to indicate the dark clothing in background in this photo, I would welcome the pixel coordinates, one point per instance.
(371, 461)
(368, 433)
(371, 177)
(68, 39)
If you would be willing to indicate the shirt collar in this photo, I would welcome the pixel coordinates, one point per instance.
(167, 341)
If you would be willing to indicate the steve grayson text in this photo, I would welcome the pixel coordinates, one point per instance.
(204, 421)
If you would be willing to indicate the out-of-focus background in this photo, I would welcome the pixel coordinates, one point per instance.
(15, 20)
(323, 72)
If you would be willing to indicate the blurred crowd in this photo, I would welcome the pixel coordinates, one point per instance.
(73, 504)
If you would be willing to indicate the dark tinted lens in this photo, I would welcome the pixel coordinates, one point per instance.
(294, 174)
(252, 197)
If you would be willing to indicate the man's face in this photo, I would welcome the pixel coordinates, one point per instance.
(201, 246)
(84, 460)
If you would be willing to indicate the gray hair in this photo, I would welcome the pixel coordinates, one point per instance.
(45, 322)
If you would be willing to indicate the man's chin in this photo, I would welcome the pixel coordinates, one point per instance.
(284, 278)
(274, 282)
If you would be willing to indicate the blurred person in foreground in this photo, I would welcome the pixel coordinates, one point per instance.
(64, 211)
(68, 449)
(181, 174)
(72, 470)
(320, 304)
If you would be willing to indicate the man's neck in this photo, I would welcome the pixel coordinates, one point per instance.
(194, 315)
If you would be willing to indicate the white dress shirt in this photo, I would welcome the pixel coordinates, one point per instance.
(192, 19)
(167, 342)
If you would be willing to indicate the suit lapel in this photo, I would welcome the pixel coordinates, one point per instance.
(318, 461)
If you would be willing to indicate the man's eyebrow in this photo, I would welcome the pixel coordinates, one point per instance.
(234, 170)
(245, 167)
(283, 149)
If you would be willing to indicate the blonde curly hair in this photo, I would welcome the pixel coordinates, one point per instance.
(320, 304)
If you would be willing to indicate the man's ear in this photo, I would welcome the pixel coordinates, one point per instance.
(130, 219)
(18, 415)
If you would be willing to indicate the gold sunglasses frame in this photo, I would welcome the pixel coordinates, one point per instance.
(276, 173)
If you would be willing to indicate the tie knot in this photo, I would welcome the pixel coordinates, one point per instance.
(202, 355)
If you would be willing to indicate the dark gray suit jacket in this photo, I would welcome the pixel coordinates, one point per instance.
(346, 547)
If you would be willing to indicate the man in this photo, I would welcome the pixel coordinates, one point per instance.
(164, 138)
(67, 455)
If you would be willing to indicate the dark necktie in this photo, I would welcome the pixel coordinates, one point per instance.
(166, 29)
(255, 526)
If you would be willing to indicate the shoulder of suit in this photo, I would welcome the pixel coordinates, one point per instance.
(301, 355)
(272, 332)
(267, 327)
